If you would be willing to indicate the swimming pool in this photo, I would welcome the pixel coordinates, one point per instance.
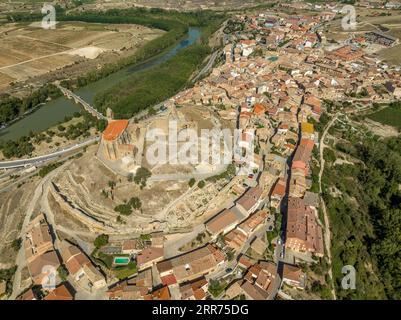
(121, 260)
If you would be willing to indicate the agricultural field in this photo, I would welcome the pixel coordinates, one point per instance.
(172, 4)
(389, 116)
(28, 51)
(371, 20)
(391, 55)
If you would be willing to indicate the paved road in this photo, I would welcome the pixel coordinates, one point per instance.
(47, 157)
(51, 156)
(175, 242)
(206, 68)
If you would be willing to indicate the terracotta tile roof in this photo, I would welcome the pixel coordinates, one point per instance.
(74, 259)
(169, 280)
(313, 101)
(28, 295)
(160, 294)
(244, 261)
(35, 267)
(199, 283)
(149, 254)
(164, 266)
(192, 263)
(253, 291)
(259, 109)
(115, 129)
(309, 144)
(221, 221)
(60, 293)
(199, 294)
(130, 245)
(291, 272)
(250, 198)
(263, 280)
(235, 239)
(253, 221)
(302, 156)
(38, 239)
(279, 188)
(303, 232)
(132, 289)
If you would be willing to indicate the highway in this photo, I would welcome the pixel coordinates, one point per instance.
(208, 65)
(94, 112)
(40, 159)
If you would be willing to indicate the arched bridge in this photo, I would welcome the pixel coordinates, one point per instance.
(71, 95)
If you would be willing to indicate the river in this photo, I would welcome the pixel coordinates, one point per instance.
(54, 111)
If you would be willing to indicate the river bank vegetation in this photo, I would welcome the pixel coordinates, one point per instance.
(175, 24)
(147, 88)
(152, 86)
(26, 145)
(12, 108)
(178, 71)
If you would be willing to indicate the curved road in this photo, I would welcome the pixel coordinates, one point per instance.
(47, 157)
(50, 156)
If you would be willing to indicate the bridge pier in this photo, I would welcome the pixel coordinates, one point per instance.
(78, 100)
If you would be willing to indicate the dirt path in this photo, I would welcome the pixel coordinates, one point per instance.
(36, 59)
(327, 233)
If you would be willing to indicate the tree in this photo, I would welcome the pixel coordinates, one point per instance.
(191, 182)
(130, 177)
(62, 273)
(230, 255)
(141, 176)
(112, 184)
(101, 125)
(104, 193)
(201, 184)
(16, 244)
(101, 240)
(124, 209)
(231, 170)
(135, 203)
(151, 111)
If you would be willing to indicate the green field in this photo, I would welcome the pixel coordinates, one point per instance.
(390, 116)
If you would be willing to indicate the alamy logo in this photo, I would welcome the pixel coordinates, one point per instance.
(349, 280)
(49, 20)
(49, 279)
(211, 146)
(348, 22)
